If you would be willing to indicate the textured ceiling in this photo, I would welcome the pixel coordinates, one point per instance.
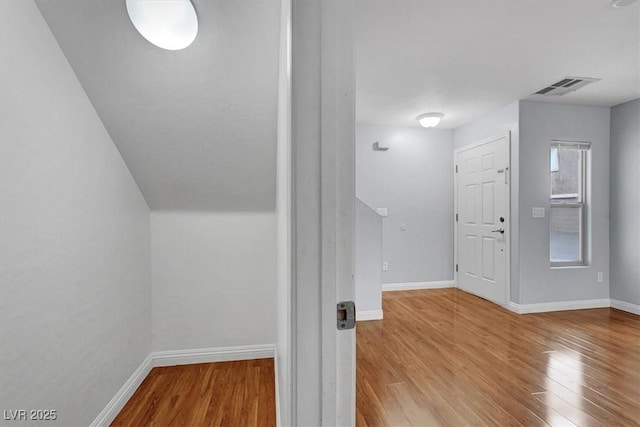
(196, 127)
(465, 58)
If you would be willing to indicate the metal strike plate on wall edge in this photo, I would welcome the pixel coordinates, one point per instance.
(346, 312)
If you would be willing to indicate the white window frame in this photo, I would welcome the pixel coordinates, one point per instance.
(557, 201)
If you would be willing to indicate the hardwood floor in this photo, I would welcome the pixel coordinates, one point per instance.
(447, 358)
(209, 394)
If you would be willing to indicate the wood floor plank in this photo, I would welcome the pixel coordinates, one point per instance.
(210, 394)
(447, 358)
(570, 410)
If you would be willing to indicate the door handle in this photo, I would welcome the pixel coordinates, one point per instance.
(499, 230)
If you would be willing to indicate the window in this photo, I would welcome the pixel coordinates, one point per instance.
(568, 213)
(554, 159)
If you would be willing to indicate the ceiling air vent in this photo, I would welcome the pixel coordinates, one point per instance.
(566, 85)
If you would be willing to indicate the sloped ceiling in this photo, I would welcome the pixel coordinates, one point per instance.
(465, 58)
(196, 127)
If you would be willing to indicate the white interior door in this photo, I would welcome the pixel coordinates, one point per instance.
(482, 227)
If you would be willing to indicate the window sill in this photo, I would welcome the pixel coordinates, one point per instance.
(559, 267)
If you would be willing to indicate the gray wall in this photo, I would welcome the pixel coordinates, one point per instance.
(625, 202)
(368, 258)
(214, 279)
(76, 286)
(539, 124)
(500, 121)
(414, 181)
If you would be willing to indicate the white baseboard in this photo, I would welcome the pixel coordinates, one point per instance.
(209, 355)
(546, 307)
(512, 306)
(123, 395)
(410, 286)
(625, 306)
(368, 315)
(178, 357)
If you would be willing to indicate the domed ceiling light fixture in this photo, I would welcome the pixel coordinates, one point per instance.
(621, 3)
(430, 120)
(168, 24)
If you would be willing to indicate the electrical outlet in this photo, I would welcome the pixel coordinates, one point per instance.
(600, 277)
(385, 266)
(537, 213)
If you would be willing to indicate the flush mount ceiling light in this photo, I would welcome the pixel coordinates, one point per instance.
(430, 120)
(169, 24)
(621, 3)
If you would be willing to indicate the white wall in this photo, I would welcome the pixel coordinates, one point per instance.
(414, 181)
(368, 260)
(214, 279)
(539, 124)
(75, 292)
(499, 122)
(625, 202)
